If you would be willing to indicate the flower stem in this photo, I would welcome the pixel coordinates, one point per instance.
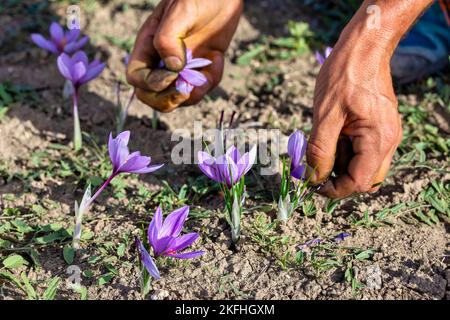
(124, 112)
(97, 193)
(79, 212)
(155, 120)
(77, 140)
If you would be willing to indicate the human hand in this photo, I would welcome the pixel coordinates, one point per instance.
(356, 125)
(205, 27)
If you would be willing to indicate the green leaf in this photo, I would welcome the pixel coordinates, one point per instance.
(14, 261)
(50, 292)
(104, 279)
(29, 290)
(366, 254)
(69, 254)
(121, 250)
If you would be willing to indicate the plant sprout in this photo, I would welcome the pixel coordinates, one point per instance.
(293, 177)
(123, 111)
(123, 162)
(78, 71)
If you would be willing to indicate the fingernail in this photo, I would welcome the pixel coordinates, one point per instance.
(173, 63)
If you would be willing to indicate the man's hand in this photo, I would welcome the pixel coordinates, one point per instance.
(204, 26)
(356, 126)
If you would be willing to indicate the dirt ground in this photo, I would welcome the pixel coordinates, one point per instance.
(407, 257)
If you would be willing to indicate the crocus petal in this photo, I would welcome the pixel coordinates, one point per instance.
(328, 52)
(246, 162)
(187, 255)
(147, 260)
(319, 58)
(193, 77)
(64, 66)
(134, 162)
(183, 241)
(188, 55)
(173, 224)
(183, 86)
(147, 169)
(93, 73)
(198, 63)
(162, 245)
(57, 32)
(155, 226)
(78, 71)
(74, 46)
(296, 148)
(72, 35)
(298, 172)
(112, 149)
(206, 163)
(229, 171)
(45, 44)
(233, 153)
(124, 136)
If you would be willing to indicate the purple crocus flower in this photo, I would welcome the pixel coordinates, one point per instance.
(124, 161)
(60, 41)
(321, 58)
(228, 168)
(164, 237)
(296, 150)
(341, 236)
(189, 78)
(77, 68)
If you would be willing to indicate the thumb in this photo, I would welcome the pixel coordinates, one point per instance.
(168, 40)
(321, 149)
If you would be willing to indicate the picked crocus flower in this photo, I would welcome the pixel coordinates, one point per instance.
(78, 71)
(341, 236)
(188, 78)
(60, 41)
(296, 151)
(123, 162)
(229, 170)
(321, 58)
(165, 240)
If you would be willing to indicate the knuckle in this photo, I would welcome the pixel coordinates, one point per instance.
(161, 41)
(316, 150)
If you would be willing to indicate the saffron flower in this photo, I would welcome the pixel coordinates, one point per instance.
(189, 78)
(165, 240)
(296, 151)
(78, 71)
(60, 41)
(228, 168)
(321, 58)
(123, 162)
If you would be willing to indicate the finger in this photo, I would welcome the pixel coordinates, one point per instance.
(344, 154)
(361, 171)
(213, 74)
(321, 150)
(385, 166)
(164, 101)
(178, 19)
(144, 57)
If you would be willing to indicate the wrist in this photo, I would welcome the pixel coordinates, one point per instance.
(378, 26)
